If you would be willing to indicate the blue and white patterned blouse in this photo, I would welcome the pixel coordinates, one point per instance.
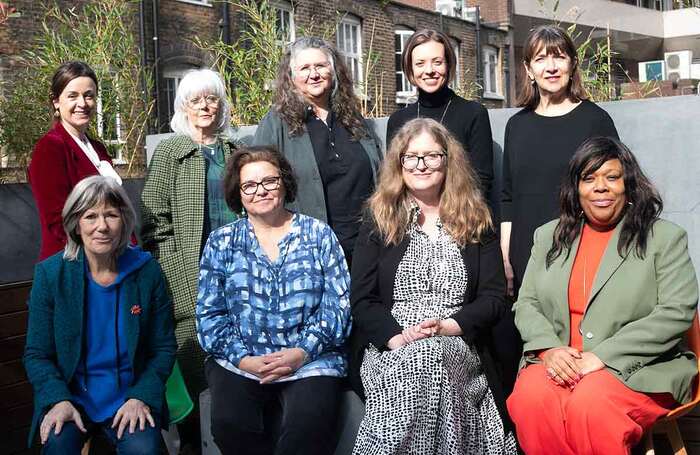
(248, 305)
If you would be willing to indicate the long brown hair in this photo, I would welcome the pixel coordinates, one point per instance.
(421, 37)
(291, 106)
(463, 210)
(553, 39)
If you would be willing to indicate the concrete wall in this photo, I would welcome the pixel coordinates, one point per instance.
(664, 134)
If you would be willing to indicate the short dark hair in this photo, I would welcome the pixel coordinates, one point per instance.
(423, 36)
(554, 39)
(246, 155)
(66, 73)
(644, 202)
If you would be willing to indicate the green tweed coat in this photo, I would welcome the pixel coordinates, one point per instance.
(637, 314)
(172, 210)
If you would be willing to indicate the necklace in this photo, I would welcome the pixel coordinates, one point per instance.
(443, 112)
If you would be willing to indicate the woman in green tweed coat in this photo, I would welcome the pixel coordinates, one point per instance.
(183, 201)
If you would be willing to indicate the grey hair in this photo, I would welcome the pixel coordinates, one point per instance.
(196, 83)
(88, 193)
(312, 42)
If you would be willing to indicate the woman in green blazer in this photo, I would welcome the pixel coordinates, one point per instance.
(183, 201)
(607, 297)
(317, 124)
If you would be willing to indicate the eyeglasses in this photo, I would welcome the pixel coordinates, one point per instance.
(432, 160)
(209, 100)
(268, 183)
(305, 71)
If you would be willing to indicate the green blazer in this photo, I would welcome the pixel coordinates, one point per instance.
(172, 211)
(298, 150)
(637, 315)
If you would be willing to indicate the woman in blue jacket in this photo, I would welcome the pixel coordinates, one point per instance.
(100, 342)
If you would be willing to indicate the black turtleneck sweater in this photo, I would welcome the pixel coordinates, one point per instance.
(468, 121)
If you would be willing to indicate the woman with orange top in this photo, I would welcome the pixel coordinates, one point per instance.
(608, 293)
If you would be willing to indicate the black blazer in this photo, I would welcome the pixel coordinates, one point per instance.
(371, 297)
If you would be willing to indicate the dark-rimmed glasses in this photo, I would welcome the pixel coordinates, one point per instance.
(432, 160)
(268, 183)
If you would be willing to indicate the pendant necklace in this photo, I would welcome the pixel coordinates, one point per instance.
(443, 112)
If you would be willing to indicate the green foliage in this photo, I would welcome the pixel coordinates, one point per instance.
(249, 65)
(99, 35)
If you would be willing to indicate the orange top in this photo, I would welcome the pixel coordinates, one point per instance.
(590, 252)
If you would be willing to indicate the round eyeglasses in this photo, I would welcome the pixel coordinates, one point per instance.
(209, 101)
(268, 183)
(433, 160)
(305, 71)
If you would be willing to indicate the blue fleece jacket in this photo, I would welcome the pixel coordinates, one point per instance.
(104, 372)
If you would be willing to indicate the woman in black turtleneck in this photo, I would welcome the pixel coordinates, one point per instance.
(429, 64)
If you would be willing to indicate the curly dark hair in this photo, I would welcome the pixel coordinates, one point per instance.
(246, 155)
(291, 105)
(644, 204)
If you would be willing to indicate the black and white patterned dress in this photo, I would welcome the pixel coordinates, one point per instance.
(430, 396)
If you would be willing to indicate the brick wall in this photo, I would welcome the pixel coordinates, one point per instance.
(494, 11)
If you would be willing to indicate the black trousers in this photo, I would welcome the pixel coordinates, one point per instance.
(289, 418)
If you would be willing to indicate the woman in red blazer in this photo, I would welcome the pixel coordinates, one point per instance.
(65, 155)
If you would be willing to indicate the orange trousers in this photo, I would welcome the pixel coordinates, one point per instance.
(600, 415)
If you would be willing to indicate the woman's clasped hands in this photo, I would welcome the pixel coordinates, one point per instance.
(428, 328)
(273, 366)
(566, 366)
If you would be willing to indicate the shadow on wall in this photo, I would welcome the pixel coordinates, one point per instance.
(662, 132)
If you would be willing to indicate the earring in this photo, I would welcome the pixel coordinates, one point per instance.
(532, 81)
(57, 114)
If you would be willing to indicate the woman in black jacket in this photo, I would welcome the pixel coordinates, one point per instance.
(427, 287)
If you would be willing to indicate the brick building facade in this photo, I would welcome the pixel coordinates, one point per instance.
(171, 25)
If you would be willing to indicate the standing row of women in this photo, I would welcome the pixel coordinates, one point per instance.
(432, 342)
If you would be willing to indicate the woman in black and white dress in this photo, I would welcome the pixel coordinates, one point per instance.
(427, 287)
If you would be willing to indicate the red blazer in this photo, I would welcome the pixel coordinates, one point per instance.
(58, 163)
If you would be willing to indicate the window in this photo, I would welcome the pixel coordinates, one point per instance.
(171, 80)
(404, 89)
(284, 21)
(109, 125)
(449, 7)
(491, 72)
(454, 85)
(349, 41)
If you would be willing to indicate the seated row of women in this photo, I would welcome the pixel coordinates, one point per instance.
(275, 302)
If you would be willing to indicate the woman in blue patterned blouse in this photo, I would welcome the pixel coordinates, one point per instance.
(273, 314)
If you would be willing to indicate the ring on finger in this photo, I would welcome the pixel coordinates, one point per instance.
(551, 373)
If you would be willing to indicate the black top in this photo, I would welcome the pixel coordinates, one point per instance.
(468, 121)
(346, 175)
(371, 297)
(536, 156)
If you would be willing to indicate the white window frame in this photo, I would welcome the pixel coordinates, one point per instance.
(491, 92)
(282, 7)
(351, 54)
(207, 3)
(176, 74)
(403, 96)
(119, 141)
(457, 79)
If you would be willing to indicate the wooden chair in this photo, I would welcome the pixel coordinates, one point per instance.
(668, 425)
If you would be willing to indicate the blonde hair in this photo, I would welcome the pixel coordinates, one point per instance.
(463, 210)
